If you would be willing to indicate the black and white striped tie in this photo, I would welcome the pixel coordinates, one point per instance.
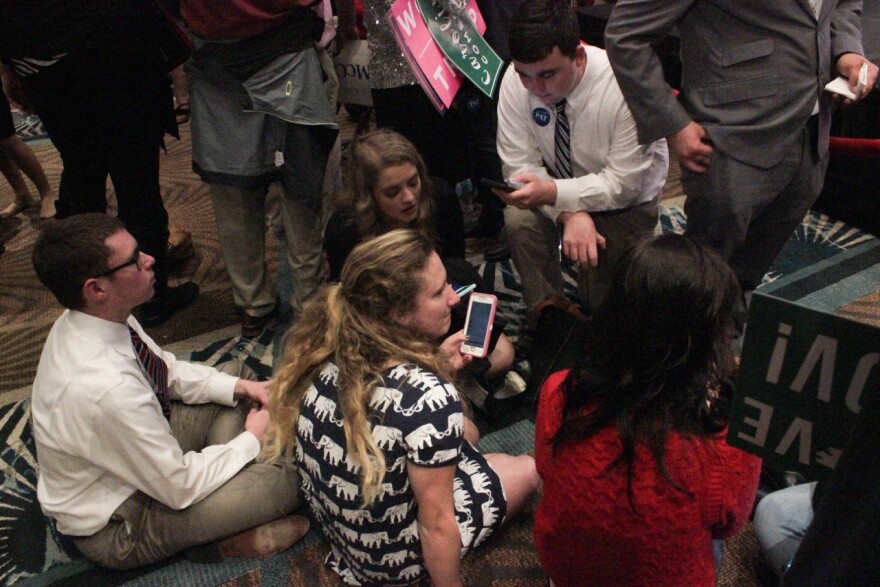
(562, 142)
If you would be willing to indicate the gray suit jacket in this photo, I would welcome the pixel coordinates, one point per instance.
(751, 69)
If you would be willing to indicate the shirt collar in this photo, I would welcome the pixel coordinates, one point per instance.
(577, 98)
(104, 332)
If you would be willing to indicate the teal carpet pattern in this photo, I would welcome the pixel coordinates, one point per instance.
(826, 264)
(29, 128)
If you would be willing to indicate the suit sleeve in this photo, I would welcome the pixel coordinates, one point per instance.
(846, 31)
(635, 26)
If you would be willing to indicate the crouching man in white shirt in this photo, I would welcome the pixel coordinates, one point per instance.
(566, 134)
(131, 476)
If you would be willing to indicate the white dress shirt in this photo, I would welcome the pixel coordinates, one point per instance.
(100, 432)
(611, 170)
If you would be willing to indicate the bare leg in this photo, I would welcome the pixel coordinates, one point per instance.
(181, 94)
(179, 85)
(25, 159)
(22, 194)
(518, 477)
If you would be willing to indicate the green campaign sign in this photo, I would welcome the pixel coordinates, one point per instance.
(462, 44)
(803, 378)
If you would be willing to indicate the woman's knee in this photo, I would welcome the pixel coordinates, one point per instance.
(517, 473)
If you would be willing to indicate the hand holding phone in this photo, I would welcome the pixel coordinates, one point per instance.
(478, 324)
(510, 185)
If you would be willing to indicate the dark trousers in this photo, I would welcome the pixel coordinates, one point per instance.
(747, 214)
(106, 107)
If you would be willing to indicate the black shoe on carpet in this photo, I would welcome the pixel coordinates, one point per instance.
(496, 253)
(158, 310)
(253, 326)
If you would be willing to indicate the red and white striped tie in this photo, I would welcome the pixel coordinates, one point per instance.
(156, 370)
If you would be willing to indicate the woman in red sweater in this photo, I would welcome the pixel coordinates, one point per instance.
(638, 479)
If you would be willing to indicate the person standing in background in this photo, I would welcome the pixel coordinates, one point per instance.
(16, 158)
(256, 90)
(97, 78)
(750, 127)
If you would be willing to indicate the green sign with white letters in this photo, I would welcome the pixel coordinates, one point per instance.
(803, 378)
(462, 44)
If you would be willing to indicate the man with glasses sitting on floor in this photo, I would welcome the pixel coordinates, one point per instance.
(142, 456)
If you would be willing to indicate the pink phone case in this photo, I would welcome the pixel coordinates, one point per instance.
(479, 324)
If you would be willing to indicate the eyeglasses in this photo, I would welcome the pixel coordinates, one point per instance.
(134, 260)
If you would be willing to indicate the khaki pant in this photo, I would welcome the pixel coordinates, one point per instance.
(533, 240)
(240, 216)
(142, 530)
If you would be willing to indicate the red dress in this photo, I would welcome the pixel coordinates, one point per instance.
(585, 530)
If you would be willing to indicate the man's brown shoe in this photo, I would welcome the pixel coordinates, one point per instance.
(266, 540)
(180, 246)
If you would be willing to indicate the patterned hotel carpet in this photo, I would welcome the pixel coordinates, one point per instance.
(826, 264)
(509, 558)
(29, 128)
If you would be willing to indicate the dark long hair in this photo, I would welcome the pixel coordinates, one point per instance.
(658, 352)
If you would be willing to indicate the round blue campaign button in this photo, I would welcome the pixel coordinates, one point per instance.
(541, 116)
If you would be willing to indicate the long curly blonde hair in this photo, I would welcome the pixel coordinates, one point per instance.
(355, 324)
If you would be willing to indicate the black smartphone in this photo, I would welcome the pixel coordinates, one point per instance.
(504, 186)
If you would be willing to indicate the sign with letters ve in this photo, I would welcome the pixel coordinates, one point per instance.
(803, 378)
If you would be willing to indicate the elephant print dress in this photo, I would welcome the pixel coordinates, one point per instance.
(415, 417)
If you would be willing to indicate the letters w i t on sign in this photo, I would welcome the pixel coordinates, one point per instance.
(443, 45)
(804, 376)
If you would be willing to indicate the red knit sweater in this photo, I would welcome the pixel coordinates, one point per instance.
(587, 534)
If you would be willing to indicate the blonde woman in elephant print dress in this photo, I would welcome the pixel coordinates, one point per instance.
(364, 403)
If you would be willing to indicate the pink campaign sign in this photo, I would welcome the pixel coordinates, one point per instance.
(443, 77)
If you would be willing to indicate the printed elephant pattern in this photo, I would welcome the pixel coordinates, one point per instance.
(416, 418)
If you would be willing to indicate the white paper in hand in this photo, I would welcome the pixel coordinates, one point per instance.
(840, 86)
